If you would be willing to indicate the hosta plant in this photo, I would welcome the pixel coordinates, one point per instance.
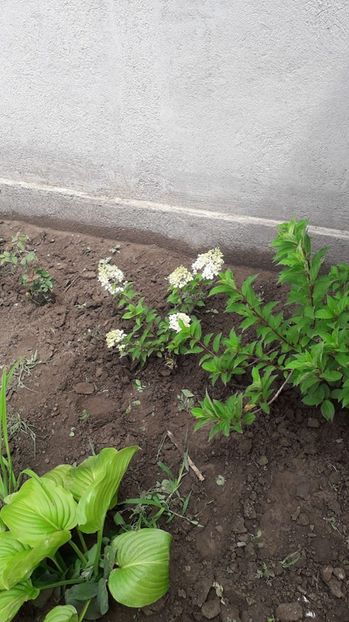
(55, 536)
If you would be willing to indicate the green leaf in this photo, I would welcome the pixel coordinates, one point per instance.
(38, 510)
(95, 484)
(12, 600)
(59, 474)
(17, 561)
(103, 596)
(63, 613)
(81, 592)
(327, 409)
(143, 574)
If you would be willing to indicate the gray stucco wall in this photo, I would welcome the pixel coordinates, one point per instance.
(235, 107)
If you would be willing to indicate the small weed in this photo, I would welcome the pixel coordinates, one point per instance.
(164, 501)
(186, 400)
(37, 280)
(138, 385)
(264, 573)
(22, 369)
(8, 479)
(134, 403)
(40, 286)
(17, 425)
(84, 416)
(332, 522)
(220, 480)
(290, 560)
(256, 538)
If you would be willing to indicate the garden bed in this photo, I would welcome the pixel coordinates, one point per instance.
(277, 493)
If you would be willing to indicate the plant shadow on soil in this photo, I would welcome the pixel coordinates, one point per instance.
(285, 487)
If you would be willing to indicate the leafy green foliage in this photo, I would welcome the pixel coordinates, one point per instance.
(307, 347)
(8, 480)
(149, 333)
(64, 613)
(53, 511)
(38, 282)
(40, 286)
(12, 600)
(142, 576)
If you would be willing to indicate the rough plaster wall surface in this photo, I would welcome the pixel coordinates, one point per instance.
(235, 106)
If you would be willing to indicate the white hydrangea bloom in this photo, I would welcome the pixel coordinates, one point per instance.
(111, 277)
(173, 321)
(209, 264)
(180, 277)
(114, 339)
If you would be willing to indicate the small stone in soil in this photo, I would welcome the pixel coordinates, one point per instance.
(326, 573)
(89, 275)
(335, 588)
(339, 573)
(84, 388)
(211, 609)
(313, 423)
(289, 612)
(249, 511)
(263, 461)
(239, 525)
(303, 520)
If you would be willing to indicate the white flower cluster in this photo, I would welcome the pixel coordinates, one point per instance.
(173, 321)
(111, 277)
(180, 277)
(209, 264)
(115, 338)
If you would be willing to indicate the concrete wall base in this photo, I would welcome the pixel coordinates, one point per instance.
(244, 239)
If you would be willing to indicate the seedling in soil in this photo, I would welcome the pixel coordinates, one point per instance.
(84, 416)
(37, 281)
(186, 400)
(220, 480)
(138, 385)
(256, 538)
(51, 513)
(290, 560)
(264, 573)
(164, 501)
(23, 368)
(134, 403)
(40, 286)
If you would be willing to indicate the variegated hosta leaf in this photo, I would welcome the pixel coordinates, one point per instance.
(39, 509)
(17, 561)
(95, 483)
(63, 613)
(143, 573)
(12, 600)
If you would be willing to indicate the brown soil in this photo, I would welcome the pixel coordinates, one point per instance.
(285, 480)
